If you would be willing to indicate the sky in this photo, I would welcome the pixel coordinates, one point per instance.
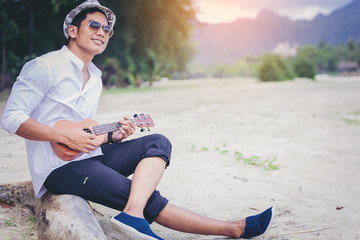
(219, 11)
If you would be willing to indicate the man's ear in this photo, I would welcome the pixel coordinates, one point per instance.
(72, 31)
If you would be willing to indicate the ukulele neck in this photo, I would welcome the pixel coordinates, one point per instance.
(142, 121)
(105, 128)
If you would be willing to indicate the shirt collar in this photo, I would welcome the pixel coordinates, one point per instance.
(94, 69)
(79, 63)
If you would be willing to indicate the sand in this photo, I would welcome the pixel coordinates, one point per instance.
(311, 129)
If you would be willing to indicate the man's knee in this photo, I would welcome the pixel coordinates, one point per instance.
(164, 141)
(159, 146)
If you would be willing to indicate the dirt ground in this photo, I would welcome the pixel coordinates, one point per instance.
(310, 130)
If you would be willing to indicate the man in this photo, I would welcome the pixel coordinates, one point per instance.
(66, 85)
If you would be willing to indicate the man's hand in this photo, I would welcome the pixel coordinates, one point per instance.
(74, 138)
(78, 139)
(127, 128)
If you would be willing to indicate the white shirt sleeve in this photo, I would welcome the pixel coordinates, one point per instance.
(26, 94)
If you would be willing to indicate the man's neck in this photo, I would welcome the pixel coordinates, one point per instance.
(83, 56)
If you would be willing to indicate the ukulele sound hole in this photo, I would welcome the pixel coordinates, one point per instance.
(87, 130)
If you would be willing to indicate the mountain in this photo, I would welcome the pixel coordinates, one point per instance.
(226, 42)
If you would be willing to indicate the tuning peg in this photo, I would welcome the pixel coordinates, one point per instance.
(135, 115)
(148, 129)
(142, 129)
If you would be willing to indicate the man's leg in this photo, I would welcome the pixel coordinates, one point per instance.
(146, 178)
(183, 220)
(186, 221)
(146, 158)
(147, 175)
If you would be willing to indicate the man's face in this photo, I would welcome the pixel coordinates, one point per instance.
(92, 41)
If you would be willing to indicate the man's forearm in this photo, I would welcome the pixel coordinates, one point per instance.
(33, 130)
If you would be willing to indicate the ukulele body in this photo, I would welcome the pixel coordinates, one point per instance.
(66, 153)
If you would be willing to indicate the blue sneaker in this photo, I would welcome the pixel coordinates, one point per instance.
(258, 224)
(133, 227)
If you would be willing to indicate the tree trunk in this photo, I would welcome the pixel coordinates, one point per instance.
(18, 193)
(57, 216)
(152, 76)
(31, 27)
(3, 58)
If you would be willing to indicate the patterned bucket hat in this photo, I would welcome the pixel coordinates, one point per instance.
(85, 5)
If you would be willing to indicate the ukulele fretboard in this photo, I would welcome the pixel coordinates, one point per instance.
(105, 128)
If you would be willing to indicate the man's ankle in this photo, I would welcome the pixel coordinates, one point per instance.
(135, 212)
(238, 228)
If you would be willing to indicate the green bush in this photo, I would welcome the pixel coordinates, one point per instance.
(304, 68)
(274, 68)
(112, 72)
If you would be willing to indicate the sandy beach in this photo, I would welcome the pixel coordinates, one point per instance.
(309, 130)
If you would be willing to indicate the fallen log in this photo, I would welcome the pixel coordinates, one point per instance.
(18, 193)
(57, 216)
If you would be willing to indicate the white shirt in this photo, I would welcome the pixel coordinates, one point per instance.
(48, 89)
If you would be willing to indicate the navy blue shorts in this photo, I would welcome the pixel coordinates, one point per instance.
(103, 179)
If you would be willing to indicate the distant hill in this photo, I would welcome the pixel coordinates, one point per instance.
(226, 42)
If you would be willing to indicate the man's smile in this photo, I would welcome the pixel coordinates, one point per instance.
(98, 41)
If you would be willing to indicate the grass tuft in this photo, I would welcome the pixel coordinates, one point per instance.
(267, 164)
(10, 222)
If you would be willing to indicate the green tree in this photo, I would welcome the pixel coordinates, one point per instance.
(29, 28)
(274, 68)
(151, 37)
(351, 47)
(304, 68)
(325, 57)
(357, 52)
(8, 30)
(154, 34)
(113, 73)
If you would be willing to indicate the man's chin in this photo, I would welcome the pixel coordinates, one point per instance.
(98, 50)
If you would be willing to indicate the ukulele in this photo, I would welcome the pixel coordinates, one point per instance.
(91, 126)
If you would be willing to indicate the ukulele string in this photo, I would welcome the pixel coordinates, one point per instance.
(105, 128)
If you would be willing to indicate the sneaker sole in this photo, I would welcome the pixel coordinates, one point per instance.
(128, 231)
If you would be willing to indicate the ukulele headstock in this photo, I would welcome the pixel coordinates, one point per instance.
(143, 121)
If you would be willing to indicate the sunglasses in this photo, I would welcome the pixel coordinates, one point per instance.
(95, 26)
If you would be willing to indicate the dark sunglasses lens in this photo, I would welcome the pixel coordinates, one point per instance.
(106, 29)
(95, 25)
